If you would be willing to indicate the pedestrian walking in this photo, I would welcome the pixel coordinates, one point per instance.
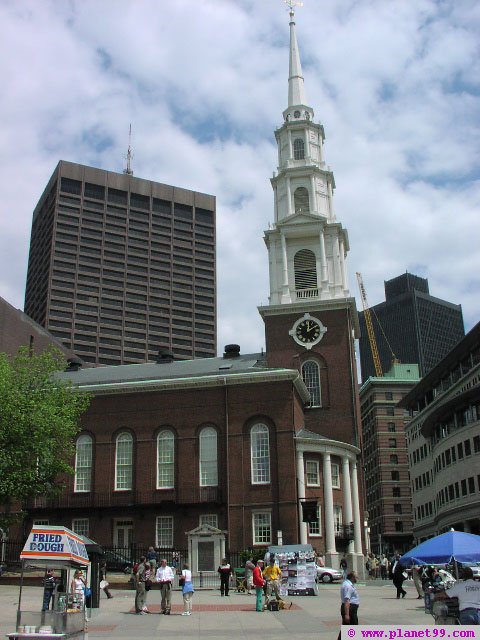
(259, 583)
(140, 592)
(249, 567)
(187, 590)
(350, 601)
(225, 571)
(103, 580)
(398, 577)
(417, 581)
(165, 578)
(344, 566)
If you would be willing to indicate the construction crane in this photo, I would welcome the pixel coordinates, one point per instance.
(371, 333)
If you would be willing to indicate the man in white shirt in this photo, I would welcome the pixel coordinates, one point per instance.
(165, 578)
(468, 593)
(350, 600)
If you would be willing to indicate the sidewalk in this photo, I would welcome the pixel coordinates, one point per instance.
(229, 618)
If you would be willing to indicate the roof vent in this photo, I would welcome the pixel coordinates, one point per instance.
(74, 364)
(164, 356)
(232, 351)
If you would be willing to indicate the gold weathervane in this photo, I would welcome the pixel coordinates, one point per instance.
(292, 4)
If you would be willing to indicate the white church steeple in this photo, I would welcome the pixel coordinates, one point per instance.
(307, 247)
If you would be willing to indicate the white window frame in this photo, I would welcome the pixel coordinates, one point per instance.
(209, 518)
(124, 466)
(260, 451)
(83, 464)
(261, 519)
(312, 475)
(299, 149)
(166, 460)
(311, 378)
(335, 475)
(208, 458)
(164, 532)
(315, 531)
(81, 526)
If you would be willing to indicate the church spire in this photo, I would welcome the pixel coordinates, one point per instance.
(296, 89)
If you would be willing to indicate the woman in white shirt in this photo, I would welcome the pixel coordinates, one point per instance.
(187, 590)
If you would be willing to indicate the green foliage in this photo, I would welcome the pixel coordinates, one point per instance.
(256, 554)
(39, 419)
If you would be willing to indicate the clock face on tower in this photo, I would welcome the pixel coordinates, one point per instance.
(307, 331)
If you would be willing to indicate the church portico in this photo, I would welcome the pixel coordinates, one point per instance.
(335, 490)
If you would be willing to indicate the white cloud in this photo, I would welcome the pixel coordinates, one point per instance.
(396, 85)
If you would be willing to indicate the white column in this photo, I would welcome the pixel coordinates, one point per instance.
(301, 496)
(357, 524)
(289, 198)
(342, 264)
(347, 497)
(284, 260)
(323, 257)
(290, 150)
(308, 152)
(313, 197)
(337, 276)
(328, 506)
(330, 201)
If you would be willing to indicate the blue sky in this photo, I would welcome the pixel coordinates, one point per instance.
(394, 82)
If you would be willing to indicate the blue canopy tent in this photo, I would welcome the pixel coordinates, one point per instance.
(443, 549)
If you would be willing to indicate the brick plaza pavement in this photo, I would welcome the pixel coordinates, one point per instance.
(233, 617)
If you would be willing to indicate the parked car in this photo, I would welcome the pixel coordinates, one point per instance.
(117, 561)
(326, 574)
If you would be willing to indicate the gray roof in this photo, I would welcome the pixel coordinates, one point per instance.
(309, 435)
(179, 374)
(164, 371)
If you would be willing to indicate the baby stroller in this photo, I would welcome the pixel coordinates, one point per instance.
(240, 581)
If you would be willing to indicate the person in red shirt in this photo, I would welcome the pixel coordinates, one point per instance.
(258, 583)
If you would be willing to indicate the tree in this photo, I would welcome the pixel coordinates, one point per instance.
(39, 418)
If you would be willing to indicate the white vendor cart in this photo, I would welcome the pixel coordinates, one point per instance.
(63, 550)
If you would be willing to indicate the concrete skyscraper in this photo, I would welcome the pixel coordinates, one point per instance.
(121, 268)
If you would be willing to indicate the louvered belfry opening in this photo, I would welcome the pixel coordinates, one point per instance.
(305, 267)
(300, 200)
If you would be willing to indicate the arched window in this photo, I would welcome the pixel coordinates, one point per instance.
(301, 203)
(305, 267)
(311, 378)
(124, 462)
(260, 454)
(208, 457)
(83, 463)
(298, 149)
(165, 460)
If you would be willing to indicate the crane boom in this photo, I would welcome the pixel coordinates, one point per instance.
(371, 334)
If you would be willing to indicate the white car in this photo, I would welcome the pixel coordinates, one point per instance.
(326, 574)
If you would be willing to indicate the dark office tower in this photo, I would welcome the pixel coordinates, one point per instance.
(420, 328)
(121, 268)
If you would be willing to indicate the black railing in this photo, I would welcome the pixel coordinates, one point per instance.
(344, 532)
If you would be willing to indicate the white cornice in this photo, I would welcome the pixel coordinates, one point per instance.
(334, 447)
(300, 307)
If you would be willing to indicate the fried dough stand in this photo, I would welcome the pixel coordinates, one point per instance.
(63, 550)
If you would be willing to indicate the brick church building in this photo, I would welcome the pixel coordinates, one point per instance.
(244, 444)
